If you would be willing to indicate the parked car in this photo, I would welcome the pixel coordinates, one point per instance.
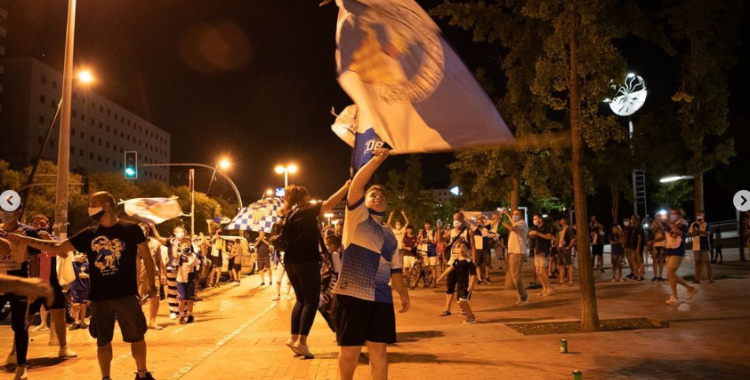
(248, 254)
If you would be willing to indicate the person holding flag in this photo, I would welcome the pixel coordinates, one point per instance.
(365, 315)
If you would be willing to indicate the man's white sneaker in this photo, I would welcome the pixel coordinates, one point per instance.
(172, 316)
(276, 298)
(691, 292)
(66, 352)
(672, 300)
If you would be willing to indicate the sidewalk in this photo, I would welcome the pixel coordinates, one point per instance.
(240, 334)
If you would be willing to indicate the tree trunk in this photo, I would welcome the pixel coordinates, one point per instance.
(698, 193)
(515, 185)
(589, 313)
(615, 204)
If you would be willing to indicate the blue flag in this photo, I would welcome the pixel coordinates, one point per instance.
(363, 139)
(408, 83)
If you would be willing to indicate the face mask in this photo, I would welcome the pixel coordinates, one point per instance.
(7, 217)
(516, 218)
(179, 235)
(457, 224)
(700, 218)
(96, 213)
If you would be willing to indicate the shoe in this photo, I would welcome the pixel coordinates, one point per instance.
(640, 279)
(445, 313)
(148, 376)
(66, 352)
(12, 359)
(290, 344)
(183, 321)
(276, 297)
(691, 292)
(156, 327)
(470, 321)
(21, 374)
(655, 279)
(480, 282)
(289, 297)
(304, 351)
(237, 283)
(75, 326)
(672, 300)
(40, 328)
(622, 280)
(548, 293)
(172, 316)
(262, 284)
(522, 303)
(630, 276)
(488, 280)
(710, 281)
(190, 319)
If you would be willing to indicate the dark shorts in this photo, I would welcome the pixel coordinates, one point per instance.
(217, 261)
(129, 315)
(463, 293)
(359, 321)
(451, 282)
(80, 294)
(57, 303)
(597, 249)
(483, 257)
(264, 264)
(186, 291)
(564, 256)
(237, 267)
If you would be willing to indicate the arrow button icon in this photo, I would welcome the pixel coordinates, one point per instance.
(10, 201)
(742, 200)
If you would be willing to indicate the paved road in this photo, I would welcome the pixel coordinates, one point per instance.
(239, 334)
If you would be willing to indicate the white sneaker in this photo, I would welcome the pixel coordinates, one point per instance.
(12, 359)
(66, 352)
(276, 297)
(672, 300)
(172, 316)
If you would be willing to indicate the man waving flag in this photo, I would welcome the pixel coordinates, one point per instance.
(408, 83)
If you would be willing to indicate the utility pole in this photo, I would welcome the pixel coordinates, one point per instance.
(63, 147)
(191, 180)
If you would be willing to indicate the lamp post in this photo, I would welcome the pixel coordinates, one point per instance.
(63, 150)
(224, 164)
(286, 170)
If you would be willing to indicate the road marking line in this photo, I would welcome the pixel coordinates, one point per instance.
(208, 352)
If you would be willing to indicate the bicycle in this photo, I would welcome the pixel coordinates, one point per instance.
(418, 272)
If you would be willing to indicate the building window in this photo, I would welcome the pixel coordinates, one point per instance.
(41, 119)
(44, 79)
(108, 112)
(108, 129)
(107, 144)
(83, 135)
(106, 161)
(92, 138)
(114, 146)
(121, 150)
(42, 99)
(100, 158)
(101, 109)
(128, 138)
(80, 152)
(53, 103)
(75, 113)
(93, 122)
(83, 117)
(54, 85)
(101, 125)
(100, 142)
(122, 135)
(41, 140)
(91, 156)
(128, 123)
(72, 150)
(51, 143)
(115, 115)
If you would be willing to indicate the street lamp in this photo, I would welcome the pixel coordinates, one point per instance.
(85, 76)
(286, 170)
(675, 178)
(224, 164)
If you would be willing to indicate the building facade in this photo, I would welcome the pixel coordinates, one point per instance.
(101, 131)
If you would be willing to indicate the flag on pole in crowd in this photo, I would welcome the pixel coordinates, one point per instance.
(153, 210)
(363, 139)
(259, 216)
(408, 83)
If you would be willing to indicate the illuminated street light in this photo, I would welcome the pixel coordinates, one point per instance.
(85, 76)
(286, 170)
(224, 164)
(328, 215)
(675, 178)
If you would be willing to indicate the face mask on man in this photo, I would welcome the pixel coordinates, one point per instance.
(699, 218)
(96, 213)
(179, 234)
(457, 224)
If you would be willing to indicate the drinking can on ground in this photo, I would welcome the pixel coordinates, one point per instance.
(577, 375)
(563, 346)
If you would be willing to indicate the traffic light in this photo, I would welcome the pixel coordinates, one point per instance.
(131, 164)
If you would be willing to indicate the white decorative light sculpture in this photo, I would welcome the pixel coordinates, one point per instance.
(629, 97)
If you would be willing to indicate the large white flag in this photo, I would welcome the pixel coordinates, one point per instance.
(153, 210)
(408, 83)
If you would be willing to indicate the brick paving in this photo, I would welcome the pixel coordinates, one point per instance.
(239, 334)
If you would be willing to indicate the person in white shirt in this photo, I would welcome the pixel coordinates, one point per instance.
(516, 249)
(399, 230)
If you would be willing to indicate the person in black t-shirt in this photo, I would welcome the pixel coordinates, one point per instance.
(112, 247)
(302, 258)
(541, 237)
(466, 278)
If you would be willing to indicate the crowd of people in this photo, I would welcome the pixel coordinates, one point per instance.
(347, 271)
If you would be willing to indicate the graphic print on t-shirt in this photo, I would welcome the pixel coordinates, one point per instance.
(108, 253)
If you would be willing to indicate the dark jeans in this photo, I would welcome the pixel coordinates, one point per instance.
(305, 279)
(18, 307)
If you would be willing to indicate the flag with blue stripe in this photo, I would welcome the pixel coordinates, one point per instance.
(153, 210)
(408, 83)
(363, 139)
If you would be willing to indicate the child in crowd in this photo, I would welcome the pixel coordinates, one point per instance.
(466, 278)
(615, 239)
(79, 289)
(188, 262)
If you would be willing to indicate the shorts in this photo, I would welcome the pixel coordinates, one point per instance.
(451, 282)
(186, 291)
(57, 303)
(129, 315)
(359, 321)
(701, 256)
(483, 257)
(463, 293)
(80, 294)
(674, 261)
(564, 256)
(217, 261)
(597, 250)
(429, 260)
(264, 264)
(540, 260)
(409, 261)
(237, 267)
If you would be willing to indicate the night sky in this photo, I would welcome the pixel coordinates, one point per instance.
(256, 80)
